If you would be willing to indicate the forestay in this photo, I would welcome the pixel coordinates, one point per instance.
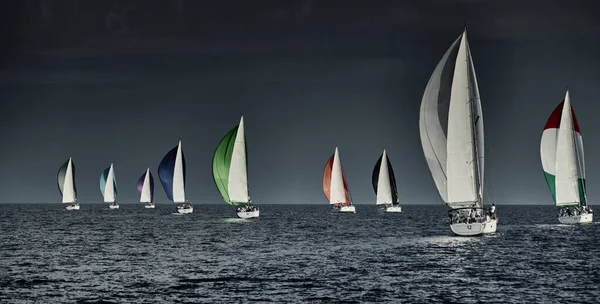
(230, 166)
(561, 151)
(171, 173)
(335, 186)
(66, 182)
(451, 128)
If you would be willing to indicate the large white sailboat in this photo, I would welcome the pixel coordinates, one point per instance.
(108, 187)
(145, 187)
(230, 172)
(171, 172)
(66, 185)
(561, 150)
(384, 184)
(335, 186)
(451, 128)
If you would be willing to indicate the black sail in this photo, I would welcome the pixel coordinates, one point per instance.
(375, 178)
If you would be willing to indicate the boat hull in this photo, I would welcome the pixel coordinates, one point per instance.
(473, 229)
(149, 206)
(347, 209)
(115, 206)
(73, 207)
(182, 210)
(578, 219)
(393, 209)
(248, 214)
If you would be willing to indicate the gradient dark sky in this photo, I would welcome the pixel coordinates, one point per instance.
(307, 75)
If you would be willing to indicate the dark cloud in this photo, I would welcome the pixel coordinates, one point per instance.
(122, 81)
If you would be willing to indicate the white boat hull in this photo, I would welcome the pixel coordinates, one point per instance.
(149, 206)
(347, 209)
(577, 219)
(182, 210)
(393, 209)
(472, 229)
(248, 214)
(115, 206)
(73, 207)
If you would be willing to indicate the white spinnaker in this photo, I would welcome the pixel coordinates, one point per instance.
(178, 183)
(384, 188)
(109, 188)
(238, 171)
(337, 193)
(567, 192)
(69, 185)
(433, 138)
(146, 195)
(460, 163)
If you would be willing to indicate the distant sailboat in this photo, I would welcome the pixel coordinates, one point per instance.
(451, 128)
(384, 184)
(561, 150)
(171, 172)
(335, 186)
(108, 187)
(230, 171)
(66, 185)
(145, 187)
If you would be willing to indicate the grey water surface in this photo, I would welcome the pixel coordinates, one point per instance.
(292, 254)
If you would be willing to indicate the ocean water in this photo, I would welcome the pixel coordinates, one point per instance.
(292, 254)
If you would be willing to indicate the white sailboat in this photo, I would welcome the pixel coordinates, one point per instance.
(454, 152)
(108, 187)
(384, 184)
(335, 186)
(171, 172)
(230, 172)
(561, 151)
(66, 185)
(145, 187)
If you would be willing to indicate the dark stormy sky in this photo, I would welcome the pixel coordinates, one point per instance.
(122, 81)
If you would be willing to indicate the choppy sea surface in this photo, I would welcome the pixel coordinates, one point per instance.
(292, 254)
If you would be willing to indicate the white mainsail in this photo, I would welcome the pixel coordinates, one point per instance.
(337, 194)
(238, 171)
(567, 190)
(109, 189)
(68, 189)
(146, 195)
(384, 190)
(178, 183)
(454, 154)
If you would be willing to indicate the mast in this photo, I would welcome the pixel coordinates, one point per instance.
(473, 100)
(578, 155)
(460, 135)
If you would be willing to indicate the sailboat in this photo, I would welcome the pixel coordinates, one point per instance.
(145, 187)
(230, 172)
(335, 186)
(384, 184)
(66, 185)
(171, 172)
(108, 187)
(451, 129)
(561, 150)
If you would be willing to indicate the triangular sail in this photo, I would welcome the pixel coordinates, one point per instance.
(561, 151)
(451, 128)
(145, 187)
(171, 173)
(335, 186)
(384, 181)
(230, 166)
(66, 182)
(108, 185)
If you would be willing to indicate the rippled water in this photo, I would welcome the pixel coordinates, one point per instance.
(298, 253)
